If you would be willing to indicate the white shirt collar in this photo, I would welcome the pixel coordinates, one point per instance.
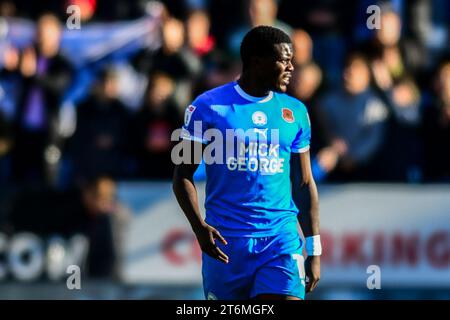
(246, 96)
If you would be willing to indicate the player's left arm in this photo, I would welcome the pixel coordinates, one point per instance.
(305, 195)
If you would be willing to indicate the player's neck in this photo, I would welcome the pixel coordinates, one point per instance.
(252, 86)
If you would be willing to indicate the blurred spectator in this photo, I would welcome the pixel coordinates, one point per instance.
(328, 22)
(199, 38)
(402, 56)
(202, 44)
(107, 222)
(47, 75)
(402, 156)
(264, 12)
(10, 81)
(303, 47)
(306, 78)
(437, 128)
(173, 58)
(153, 126)
(393, 62)
(10, 85)
(305, 84)
(307, 74)
(259, 12)
(306, 81)
(100, 142)
(354, 122)
(215, 70)
(7, 8)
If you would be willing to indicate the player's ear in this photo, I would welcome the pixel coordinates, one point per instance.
(257, 62)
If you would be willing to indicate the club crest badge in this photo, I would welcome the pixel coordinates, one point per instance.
(287, 115)
(259, 118)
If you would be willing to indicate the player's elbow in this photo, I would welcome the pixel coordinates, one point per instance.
(177, 176)
(181, 173)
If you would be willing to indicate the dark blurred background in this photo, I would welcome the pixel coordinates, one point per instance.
(87, 113)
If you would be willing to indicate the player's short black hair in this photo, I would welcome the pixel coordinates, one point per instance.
(260, 42)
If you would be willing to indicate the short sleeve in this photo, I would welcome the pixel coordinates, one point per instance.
(196, 120)
(302, 139)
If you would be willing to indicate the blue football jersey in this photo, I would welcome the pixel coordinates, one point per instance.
(249, 143)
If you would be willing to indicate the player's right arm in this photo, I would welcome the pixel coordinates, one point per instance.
(183, 179)
(186, 194)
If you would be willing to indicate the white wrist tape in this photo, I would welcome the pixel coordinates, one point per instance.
(313, 246)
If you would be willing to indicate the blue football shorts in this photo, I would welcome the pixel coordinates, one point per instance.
(267, 265)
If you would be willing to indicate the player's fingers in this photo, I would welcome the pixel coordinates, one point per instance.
(217, 235)
(213, 253)
(311, 284)
(211, 238)
(308, 285)
(222, 259)
(314, 285)
(221, 255)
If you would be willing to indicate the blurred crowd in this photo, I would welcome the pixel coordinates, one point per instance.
(378, 99)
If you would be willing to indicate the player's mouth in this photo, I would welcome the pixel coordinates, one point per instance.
(286, 79)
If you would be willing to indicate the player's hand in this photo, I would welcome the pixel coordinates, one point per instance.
(312, 270)
(206, 236)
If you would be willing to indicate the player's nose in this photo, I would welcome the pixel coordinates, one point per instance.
(290, 67)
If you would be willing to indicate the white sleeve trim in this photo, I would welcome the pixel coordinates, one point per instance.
(195, 139)
(301, 150)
